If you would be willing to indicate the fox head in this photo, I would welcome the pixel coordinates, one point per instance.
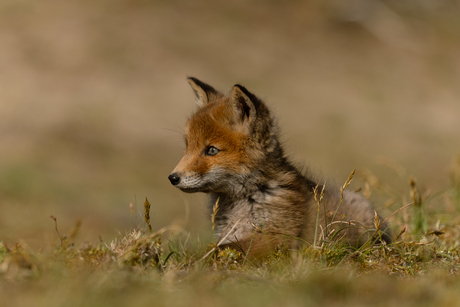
(226, 139)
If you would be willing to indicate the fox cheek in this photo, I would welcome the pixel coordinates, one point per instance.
(200, 167)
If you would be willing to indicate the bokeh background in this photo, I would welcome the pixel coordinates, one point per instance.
(93, 99)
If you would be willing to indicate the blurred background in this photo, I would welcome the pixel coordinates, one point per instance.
(93, 99)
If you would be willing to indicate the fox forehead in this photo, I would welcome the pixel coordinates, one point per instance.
(213, 124)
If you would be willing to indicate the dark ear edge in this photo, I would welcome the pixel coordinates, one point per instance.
(244, 103)
(253, 98)
(202, 90)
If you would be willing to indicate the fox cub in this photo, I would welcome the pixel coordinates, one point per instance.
(233, 153)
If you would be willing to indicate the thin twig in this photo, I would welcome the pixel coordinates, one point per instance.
(57, 231)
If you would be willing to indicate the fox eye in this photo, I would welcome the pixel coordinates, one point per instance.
(212, 151)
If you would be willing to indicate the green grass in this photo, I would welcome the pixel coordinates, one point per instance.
(171, 267)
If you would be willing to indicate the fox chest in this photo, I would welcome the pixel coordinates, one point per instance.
(240, 219)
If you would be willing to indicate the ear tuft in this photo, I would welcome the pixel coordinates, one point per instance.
(203, 91)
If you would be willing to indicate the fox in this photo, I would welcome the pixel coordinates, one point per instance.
(259, 200)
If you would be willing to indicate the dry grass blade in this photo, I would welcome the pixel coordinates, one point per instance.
(394, 212)
(228, 233)
(318, 199)
(147, 214)
(220, 241)
(400, 234)
(377, 222)
(214, 213)
(347, 183)
(342, 189)
(383, 222)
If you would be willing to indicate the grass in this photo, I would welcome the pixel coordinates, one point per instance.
(171, 267)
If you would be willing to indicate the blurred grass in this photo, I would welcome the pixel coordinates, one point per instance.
(93, 100)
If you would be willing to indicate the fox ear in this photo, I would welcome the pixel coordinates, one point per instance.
(203, 91)
(244, 103)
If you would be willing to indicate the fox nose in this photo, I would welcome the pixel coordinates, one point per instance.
(174, 179)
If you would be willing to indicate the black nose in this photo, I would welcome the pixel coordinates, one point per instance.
(174, 179)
